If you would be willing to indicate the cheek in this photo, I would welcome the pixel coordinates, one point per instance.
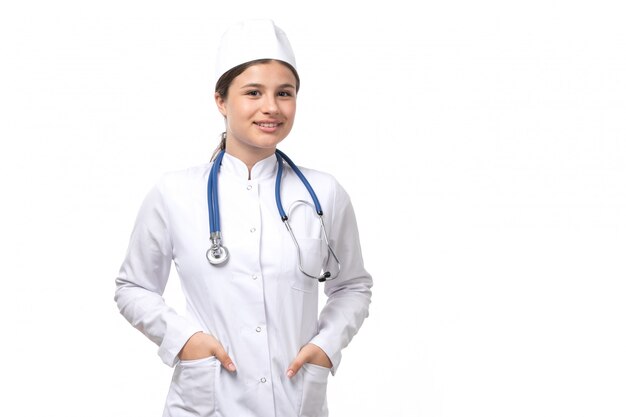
(289, 110)
(243, 109)
(235, 112)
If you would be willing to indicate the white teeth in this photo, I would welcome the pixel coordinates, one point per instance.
(268, 124)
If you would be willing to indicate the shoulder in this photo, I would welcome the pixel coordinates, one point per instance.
(321, 180)
(175, 179)
(177, 187)
(318, 176)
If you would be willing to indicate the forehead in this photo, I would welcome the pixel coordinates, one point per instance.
(268, 73)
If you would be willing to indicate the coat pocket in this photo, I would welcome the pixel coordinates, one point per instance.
(192, 390)
(314, 383)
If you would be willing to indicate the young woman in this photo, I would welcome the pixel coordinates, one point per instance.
(251, 236)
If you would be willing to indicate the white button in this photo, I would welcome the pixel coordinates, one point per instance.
(249, 187)
(252, 230)
(254, 276)
(258, 330)
(263, 380)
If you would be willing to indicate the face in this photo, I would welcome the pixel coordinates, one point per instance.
(259, 110)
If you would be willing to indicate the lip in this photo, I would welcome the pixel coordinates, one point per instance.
(268, 126)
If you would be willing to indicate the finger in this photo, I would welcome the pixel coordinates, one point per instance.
(224, 359)
(295, 365)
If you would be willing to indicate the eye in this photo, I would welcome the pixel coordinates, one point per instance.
(285, 94)
(253, 93)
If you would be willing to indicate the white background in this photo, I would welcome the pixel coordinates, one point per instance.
(482, 142)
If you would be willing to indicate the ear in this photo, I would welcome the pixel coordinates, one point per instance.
(221, 104)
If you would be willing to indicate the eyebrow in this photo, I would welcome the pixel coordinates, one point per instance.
(257, 85)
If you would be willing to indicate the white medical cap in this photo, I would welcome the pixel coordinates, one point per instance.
(251, 40)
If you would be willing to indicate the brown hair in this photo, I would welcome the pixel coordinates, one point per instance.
(223, 84)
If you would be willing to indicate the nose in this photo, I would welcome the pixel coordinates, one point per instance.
(270, 105)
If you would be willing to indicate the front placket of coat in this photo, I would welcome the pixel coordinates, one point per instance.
(254, 331)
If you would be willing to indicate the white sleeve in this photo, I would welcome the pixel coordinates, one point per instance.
(349, 295)
(143, 277)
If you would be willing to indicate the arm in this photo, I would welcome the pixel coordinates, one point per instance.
(142, 279)
(349, 295)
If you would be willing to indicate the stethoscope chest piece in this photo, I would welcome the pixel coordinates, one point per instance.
(217, 256)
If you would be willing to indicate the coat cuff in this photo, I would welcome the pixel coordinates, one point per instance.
(333, 354)
(174, 341)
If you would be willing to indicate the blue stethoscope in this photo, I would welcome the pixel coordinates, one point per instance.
(218, 254)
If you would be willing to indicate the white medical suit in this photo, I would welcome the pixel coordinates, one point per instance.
(258, 305)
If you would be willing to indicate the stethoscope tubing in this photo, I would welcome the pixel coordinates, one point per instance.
(212, 195)
(280, 156)
(218, 254)
(212, 192)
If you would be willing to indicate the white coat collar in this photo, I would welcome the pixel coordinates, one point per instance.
(265, 168)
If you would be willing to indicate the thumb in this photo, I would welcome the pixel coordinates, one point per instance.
(224, 359)
(296, 365)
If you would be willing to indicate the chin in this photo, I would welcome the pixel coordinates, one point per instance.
(269, 144)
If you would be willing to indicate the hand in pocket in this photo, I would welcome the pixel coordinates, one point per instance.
(309, 353)
(202, 345)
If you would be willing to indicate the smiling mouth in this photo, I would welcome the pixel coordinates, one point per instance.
(270, 125)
